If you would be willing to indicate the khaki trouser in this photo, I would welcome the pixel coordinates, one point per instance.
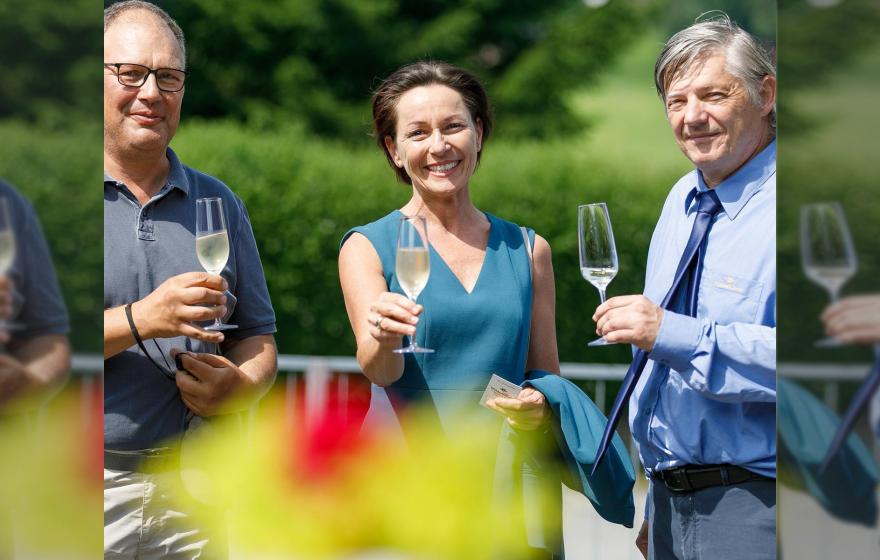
(144, 521)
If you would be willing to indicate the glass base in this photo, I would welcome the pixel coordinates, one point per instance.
(600, 342)
(828, 342)
(413, 349)
(220, 327)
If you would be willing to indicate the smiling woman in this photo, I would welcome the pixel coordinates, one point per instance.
(488, 305)
(436, 142)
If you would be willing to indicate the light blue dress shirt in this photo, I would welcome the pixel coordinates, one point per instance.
(709, 396)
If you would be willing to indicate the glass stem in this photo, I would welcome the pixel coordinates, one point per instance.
(601, 295)
(835, 295)
(412, 339)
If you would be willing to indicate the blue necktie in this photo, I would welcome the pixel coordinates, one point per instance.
(688, 266)
(859, 401)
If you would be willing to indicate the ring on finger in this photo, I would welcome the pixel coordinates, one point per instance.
(378, 323)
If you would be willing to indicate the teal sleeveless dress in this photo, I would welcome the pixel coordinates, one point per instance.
(473, 334)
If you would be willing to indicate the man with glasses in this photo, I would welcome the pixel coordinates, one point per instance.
(161, 368)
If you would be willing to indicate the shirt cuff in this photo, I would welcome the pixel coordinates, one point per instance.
(677, 341)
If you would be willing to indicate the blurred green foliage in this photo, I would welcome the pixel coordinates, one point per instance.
(833, 160)
(757, 16)
(814, 42)
(48, 57)
(315, 61)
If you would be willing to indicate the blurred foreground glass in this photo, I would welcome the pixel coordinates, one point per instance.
(827, 252)
(413, 267)
(7, 253)
(212, 243)
(7, 238)
(598, 253)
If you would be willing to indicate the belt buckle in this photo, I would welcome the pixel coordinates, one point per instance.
(686, 485)
(676, 480)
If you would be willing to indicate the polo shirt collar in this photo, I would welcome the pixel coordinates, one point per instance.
(177, 178)
(735, 191)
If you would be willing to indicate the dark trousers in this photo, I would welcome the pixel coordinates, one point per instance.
(736, 522)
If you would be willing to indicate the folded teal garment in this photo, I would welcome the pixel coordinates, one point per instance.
(578, 430)
(846, 489)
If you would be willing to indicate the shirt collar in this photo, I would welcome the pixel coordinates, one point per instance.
(735, 191)
(176, 176)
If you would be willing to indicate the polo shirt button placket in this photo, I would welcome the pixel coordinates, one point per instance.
(145, 225)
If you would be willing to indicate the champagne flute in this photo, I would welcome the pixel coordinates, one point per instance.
(598, 254)
(7, 250)
(212, 243)
(413, 267)
(7, 238)
(827, 253)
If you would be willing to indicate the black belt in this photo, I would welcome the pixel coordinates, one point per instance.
(160, 459)
(696, 477)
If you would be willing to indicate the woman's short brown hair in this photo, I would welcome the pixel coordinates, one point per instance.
(425, 73)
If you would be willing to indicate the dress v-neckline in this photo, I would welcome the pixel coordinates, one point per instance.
(482, 265)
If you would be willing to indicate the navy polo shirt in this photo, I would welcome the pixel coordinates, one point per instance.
(37, 306)
(143, 247)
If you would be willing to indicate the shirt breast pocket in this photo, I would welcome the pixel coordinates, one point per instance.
(727, 298)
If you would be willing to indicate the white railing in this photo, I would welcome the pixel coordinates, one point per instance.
(318, 371)
(87, 364)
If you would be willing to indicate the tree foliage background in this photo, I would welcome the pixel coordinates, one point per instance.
(315, 61)
(829, 62)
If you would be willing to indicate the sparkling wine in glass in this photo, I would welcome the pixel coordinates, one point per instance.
(7, 251)
(7, 238)
(413, 266)
(598, 254)
(212, 243)
(827, 253)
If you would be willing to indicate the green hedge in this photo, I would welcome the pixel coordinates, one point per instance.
(834, 160)
(303, 195)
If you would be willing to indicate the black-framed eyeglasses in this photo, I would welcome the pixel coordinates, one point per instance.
(135, 75)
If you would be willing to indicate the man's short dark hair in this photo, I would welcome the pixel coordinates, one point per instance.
(112, 13)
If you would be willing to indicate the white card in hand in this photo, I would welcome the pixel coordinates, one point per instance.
(499, 387)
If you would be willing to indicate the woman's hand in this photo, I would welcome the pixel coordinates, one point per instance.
(528, 411)
(391, 316)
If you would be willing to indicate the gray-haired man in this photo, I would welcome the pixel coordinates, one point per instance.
(154, 292)
(703, 413)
